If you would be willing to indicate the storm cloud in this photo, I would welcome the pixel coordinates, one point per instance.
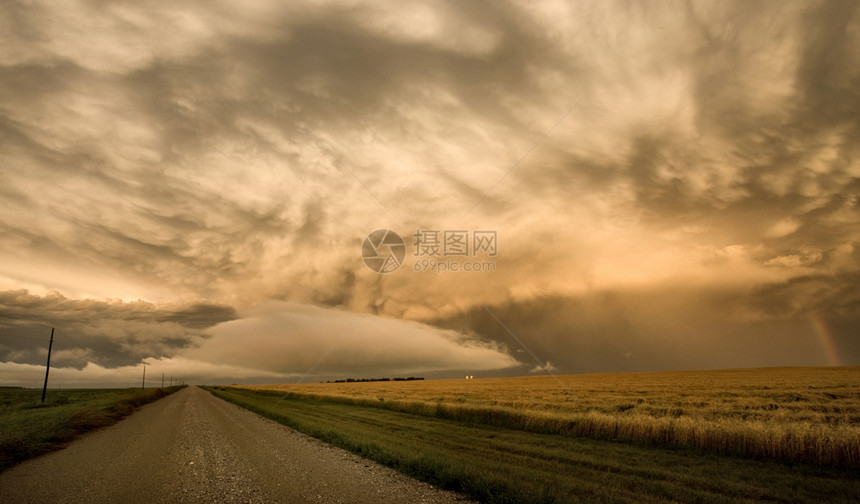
(109, 333)
(673, 185)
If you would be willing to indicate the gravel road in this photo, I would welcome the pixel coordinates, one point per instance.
(194, 447)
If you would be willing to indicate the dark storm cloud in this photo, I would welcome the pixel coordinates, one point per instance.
(200, 316)
(677, 328)
(109, 333)
(837, 297)
(235, 152)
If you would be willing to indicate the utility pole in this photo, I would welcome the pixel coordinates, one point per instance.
(48, 366)
(143, 383)
(162, 380)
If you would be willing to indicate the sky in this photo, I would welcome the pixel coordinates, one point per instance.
(194, 187)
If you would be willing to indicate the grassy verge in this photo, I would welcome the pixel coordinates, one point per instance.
(29, 427)
(498, 465)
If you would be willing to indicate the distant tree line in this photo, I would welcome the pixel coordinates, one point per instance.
(357, 380)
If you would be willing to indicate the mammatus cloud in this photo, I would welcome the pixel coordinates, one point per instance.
(234, 154)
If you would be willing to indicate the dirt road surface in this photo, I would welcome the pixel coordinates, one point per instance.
(194, 447)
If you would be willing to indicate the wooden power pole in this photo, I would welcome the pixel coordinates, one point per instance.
(48, 366)
(143, 383)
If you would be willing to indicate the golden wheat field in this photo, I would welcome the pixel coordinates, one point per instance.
(792, 414)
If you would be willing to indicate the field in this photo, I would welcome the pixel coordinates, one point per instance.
(809, 415)
(29, 427)
(500, 465)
